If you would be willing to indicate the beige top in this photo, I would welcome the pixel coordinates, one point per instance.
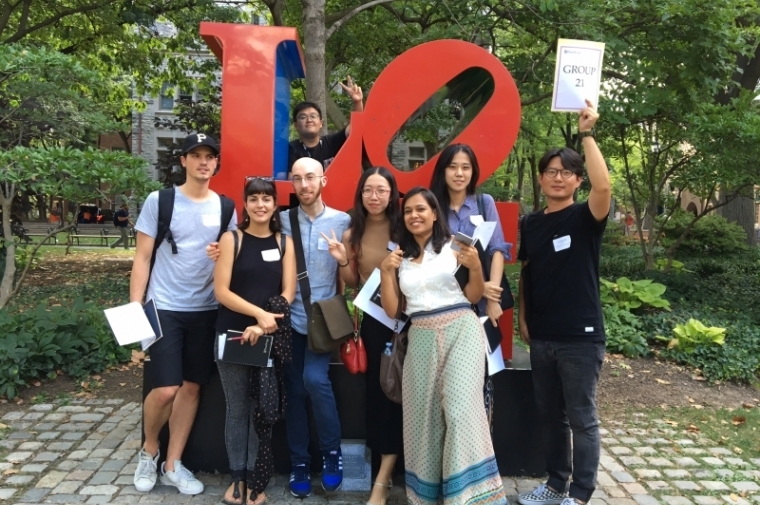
(374, 246)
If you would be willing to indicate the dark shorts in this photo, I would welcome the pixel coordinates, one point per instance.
(186, 351)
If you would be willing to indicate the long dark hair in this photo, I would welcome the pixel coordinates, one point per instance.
(359, 215)
(260, 186)
(441, 232)
(438, 181)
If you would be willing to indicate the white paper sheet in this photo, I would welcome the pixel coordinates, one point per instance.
(577, 74)
(129, 324)
(495, 359)
(368, 299)
(484, 232)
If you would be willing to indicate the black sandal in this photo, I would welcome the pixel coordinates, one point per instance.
(238, 476)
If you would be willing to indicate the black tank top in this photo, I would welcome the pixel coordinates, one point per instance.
(253, 279)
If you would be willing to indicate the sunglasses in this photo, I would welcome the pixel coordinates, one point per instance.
(258, 177)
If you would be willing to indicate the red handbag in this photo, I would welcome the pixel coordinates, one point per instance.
(352, 351)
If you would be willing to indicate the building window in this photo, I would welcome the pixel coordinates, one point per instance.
(416, 157)
(186, 95)
(166, 101)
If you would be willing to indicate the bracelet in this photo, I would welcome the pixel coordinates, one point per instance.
(345, 265)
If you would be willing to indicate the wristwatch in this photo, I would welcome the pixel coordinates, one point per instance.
(589, 133)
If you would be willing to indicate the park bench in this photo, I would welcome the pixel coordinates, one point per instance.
(102, 232)
(40, 229)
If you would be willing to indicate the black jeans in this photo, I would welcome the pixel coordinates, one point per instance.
(565, 375)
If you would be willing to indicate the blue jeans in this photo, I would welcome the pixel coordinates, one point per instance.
(307, 376)
(565, 375)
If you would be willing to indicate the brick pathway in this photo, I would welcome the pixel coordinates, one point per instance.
(85, 452)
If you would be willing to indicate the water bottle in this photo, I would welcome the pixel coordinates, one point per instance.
(388, 348)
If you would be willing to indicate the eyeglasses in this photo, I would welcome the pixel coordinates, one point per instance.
(311, 178)
(552, 173)
(304, 117)
(380, 192)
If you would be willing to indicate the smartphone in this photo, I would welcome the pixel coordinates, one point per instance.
(461, 238)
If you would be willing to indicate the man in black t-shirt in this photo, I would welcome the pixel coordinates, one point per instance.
(307, 118)
(561, 315)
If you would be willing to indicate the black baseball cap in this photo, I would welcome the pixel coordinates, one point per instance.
(199, 139)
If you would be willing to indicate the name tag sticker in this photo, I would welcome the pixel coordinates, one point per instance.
(211, 220)
(476, 219)
(589, 329)
(270, 255)
(322, 244)
(561, 243)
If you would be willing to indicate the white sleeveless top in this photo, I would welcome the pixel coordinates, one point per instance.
(431, 284)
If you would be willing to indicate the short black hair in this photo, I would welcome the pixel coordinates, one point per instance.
(570, 159)
(305, 105)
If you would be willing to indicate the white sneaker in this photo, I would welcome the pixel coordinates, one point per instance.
(542, 495)
(145, 474)
(181, 478)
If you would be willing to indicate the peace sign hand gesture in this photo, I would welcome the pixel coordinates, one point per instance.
(353, 90)
(336, 248)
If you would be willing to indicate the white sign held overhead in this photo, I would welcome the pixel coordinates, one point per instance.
(577, 75)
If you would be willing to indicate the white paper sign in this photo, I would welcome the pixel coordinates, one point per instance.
(368, 299)
(129, 323)
(577, 75)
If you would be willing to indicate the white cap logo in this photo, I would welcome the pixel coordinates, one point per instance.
(201, 137)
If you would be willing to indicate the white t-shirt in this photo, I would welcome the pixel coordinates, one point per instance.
(183, 282)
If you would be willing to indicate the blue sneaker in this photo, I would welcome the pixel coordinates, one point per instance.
(300, 481)
(332, 470)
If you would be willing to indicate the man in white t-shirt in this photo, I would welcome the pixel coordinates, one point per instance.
(181, 285)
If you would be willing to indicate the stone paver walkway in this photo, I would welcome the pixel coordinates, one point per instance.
(86, 452)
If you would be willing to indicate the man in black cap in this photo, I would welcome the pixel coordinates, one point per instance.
(181, 286)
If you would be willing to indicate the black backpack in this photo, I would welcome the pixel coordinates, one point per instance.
(116, 218)
(165, 211)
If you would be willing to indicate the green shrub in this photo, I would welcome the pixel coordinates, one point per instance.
(38, 342)
(624, 334)
(737, 359)
(625, 261)
(712, 234)
(694, 334)
(630, 295)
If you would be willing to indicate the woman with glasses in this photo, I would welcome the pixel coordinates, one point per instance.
(254, 281)
(448, 452)
(375, 224)
(453, 183)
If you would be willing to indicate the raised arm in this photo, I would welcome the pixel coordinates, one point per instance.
(389, 288)
(357, 99)
(598, 175)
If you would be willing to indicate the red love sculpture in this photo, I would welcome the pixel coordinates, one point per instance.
(258, 65)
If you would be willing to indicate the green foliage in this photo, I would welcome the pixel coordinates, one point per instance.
(624, 332)
(694, 334)
(623, 261)
(710, 235)
(39, 342)
(631, 295)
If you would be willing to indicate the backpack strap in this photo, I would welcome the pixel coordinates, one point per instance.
(301, 273)
(165, 211)
(283, 241)
(228, 209)
(481, 205)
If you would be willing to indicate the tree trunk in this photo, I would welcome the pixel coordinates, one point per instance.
(314, 42)
(741, 210)
(7, 191)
